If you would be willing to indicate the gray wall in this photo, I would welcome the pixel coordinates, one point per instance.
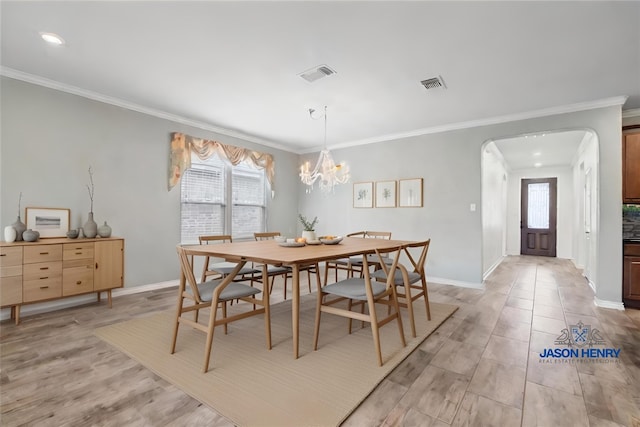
(450, 163)
(50, 138)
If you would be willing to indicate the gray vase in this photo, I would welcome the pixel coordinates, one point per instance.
(20, 227)
(30, 235)
(104, 230)
(90, 227)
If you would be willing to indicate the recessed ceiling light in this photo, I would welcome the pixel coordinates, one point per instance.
(52, 38)
(537, 165)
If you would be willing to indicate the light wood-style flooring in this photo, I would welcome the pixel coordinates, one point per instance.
(481, 367)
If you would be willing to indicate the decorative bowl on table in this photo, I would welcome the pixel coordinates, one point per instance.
(73, 234)
(293, 244)
(330, 240)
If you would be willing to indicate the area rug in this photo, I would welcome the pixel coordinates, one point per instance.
(253, 386)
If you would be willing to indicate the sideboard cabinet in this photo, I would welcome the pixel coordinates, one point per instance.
(49, 269)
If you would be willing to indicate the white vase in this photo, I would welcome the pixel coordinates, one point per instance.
(10, 234)
(309, 236)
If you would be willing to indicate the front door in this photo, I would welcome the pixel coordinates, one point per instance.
(538, 217)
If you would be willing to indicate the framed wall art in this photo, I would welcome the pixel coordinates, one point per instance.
(385, 194)
(49, 222)
(411, 193)
(363, 194)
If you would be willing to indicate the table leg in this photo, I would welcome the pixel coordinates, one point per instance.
(295, 309)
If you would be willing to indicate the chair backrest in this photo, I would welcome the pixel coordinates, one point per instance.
(378, 235)
(223, 238)
(357, 234)
(389, 270)
(418, 265)
(186, 267)
(266, 236)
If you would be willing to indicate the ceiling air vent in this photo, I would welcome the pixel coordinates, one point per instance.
(433, 83)
(317, 73)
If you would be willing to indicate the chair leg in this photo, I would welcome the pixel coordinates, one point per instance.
(285, 285)
(398, 315)
(267, 316)
(309, 278)
(210, 331)
(316, 331)
(349, 306)
(409, 300)
(175, 328)
(326, 272)
(224, 315)
(426, 297)
(375, 331)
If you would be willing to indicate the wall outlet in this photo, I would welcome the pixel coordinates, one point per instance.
(472, 207)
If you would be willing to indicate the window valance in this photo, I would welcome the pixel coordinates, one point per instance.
(183, 145)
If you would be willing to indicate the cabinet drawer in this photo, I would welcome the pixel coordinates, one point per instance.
(77, 280)
(42, 270)
(631, 249)
(10, 290)
(77, 251)
(10, 257)
(41, 289)
(14, 270)
(42, 253)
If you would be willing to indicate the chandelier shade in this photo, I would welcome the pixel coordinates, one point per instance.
(326, 171)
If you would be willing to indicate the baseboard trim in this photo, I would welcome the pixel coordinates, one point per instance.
(144, 288)
(608, 304)
(68, 302)
(493, 267)
(460, 283)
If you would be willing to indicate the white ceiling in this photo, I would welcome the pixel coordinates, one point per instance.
(541, 150)
(233, 66)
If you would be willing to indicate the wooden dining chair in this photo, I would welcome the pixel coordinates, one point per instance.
(213, 295)
(361, 291)
(411, 285)
(272, 270)
(343, 264)
(222, 269)
(356, 263)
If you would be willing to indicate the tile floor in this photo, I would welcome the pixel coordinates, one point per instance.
(481, 367)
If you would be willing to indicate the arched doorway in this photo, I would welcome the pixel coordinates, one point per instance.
(568, 156)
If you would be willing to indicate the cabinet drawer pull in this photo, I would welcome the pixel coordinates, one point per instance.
(44, 253)
(44, 268)
(79, 282)
(3, 254)
(44, 287)
(42, 278)
(78, 253)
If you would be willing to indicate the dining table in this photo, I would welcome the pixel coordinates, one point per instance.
(282, 254)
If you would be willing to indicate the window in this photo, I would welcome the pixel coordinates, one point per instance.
(206, 189)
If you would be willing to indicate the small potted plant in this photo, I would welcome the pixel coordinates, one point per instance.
(309, 227)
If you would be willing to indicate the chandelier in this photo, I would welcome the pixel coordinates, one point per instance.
(326, 170)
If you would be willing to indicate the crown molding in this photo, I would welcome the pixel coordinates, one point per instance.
(631, 113)
(552, 111)
(571, 108)
(52, 84)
